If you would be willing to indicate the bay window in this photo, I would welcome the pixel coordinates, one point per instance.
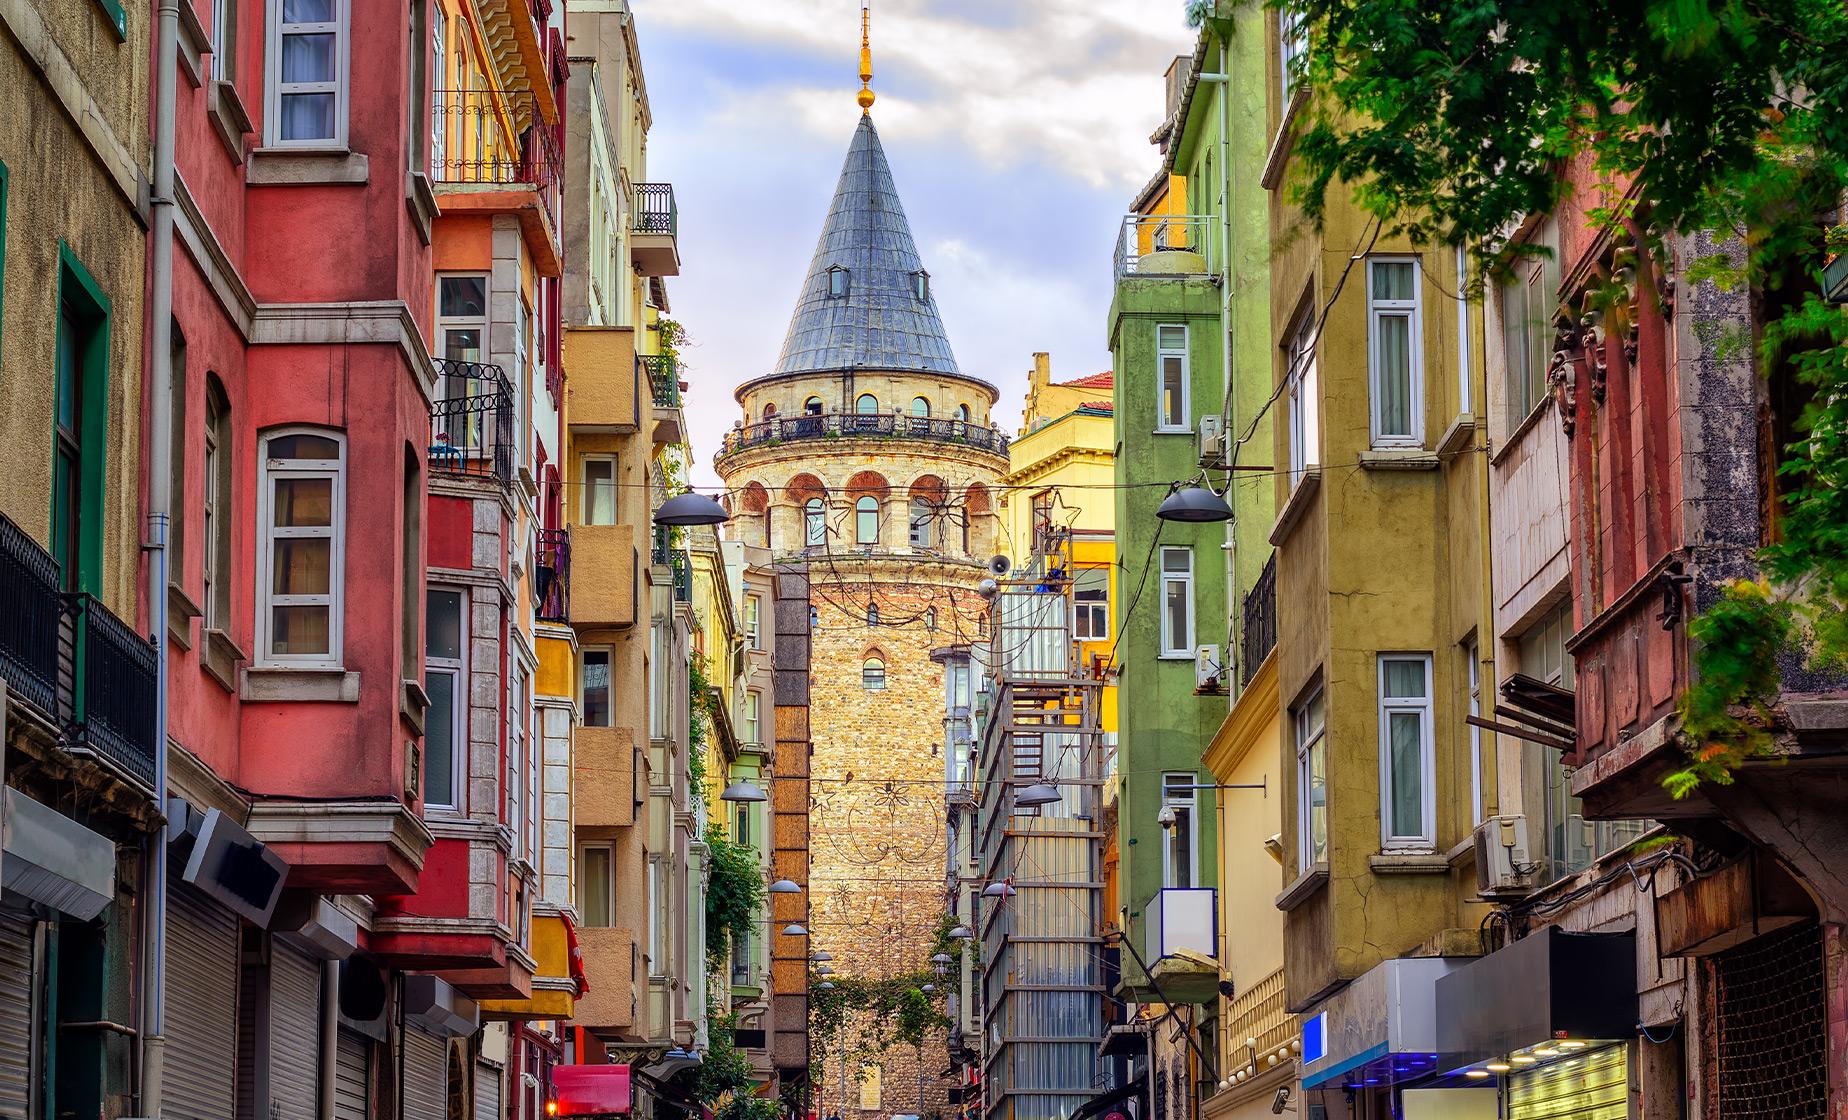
(1395, 353)
(301, 547)
(445, 683)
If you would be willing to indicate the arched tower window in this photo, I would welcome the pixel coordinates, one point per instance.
(866, 405)
(920, 406)
(873, 674)
(920, 523)
(811, 407)
(930, 618)
(872, 613)
(814, 523)
(866, 520)
(769, 411)
(962, 413)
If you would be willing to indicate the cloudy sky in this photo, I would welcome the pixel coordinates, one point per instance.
(1017, 131)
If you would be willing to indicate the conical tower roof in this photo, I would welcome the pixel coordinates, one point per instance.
(880, 323)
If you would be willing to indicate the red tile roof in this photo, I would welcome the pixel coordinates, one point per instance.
(1104, 380)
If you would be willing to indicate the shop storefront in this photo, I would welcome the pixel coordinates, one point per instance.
(1364, 1044)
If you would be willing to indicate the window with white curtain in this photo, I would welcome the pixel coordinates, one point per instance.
(753, 717)
(1171, 362)
(599, 491)
(301, 551)
(446, 685)
(224, 40)
(1304, 429)
(1408, 770)
(1395, 352)
(1177, 602)
(307, 73)
(1309, 721)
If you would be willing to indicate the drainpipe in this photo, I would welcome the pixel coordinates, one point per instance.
(330, 1036)
(1229, 551)
(160, 457)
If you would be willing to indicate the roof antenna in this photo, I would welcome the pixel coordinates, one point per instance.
(865, 97)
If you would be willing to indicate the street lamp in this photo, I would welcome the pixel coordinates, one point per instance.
(941, 958)
(1000, 889)
(1194, 504)
(1037, 794)
(823, 955)
(690, 509)
(795, 929)
(961, 933)
(744, 791)
(785, 886)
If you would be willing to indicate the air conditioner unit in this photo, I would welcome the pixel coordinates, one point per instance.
(1212, 445)
(1207, 669)
(1504, 863)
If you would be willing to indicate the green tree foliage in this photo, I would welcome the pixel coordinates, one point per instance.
(734, 894)
(1450, 121)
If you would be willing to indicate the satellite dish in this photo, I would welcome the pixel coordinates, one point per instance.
(1000, 565)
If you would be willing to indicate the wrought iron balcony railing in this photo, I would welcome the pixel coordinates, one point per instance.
(683, 576)
(663, 374)
(1176, 245)
(66, 655)
(1259, 634)
(655, 211)
(493, 137)
(553, 577)
(659, 555)
(471, 422)
(116, 687)
(781, 429)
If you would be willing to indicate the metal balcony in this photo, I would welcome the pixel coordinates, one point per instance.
(31, 614)
(683, 576)
(493, 138)
(1175, 246)
(880, 425)
(654, 237)
(471, 422)
(553, 577)
(115, 689)
(663, 375)
(1258, 636)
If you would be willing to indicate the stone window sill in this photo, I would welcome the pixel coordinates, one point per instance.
(420, 200)
(194, 43)
(1304, 888)
(220, 657)
(302, 167)
(229, 117)
(181, 610)
(1279, 154)
(1296, 505)
(267, 685)
(1409, 863)
(413, 704)
(1398, 459)
(1458, 436)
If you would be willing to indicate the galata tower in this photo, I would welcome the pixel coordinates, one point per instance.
(868, 452)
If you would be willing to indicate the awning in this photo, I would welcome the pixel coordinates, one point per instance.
(52, 859)
(1381, 1026)
(1552, 984)
(592, 1090)
(1101, 1104)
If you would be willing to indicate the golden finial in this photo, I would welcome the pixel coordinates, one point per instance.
(865, 97)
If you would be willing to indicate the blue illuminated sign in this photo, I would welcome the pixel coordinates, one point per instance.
(1315, 1038)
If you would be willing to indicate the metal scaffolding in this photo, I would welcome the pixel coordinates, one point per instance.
(1041, 973)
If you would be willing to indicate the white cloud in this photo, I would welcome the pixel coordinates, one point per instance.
(1073, 84)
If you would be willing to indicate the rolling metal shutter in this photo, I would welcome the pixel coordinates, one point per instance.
(294, 1034)
(16, 1018)
(201, 1021)
(426, 1076)
(1592, 1086)
(487, 1092)
(352, 1075)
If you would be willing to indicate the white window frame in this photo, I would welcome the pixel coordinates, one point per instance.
(584, 504)
(754, 716)
(1472, 652)
(1300, 388)
(1185, 650)
(1162, 354)
(514, 799)
(268, 472)
(754, 620)
(456, 667)
(609, 886)
(1426, 837)
(224, 40)
(860, 514)
(1088, 608)
(273, 86)
(609, 655)
(884, 680)
(439, 114)
(1292, 44)
(463, 322)
(814, 523)
(214, 511)
(657, 706)
(1309, 739)
(1411, 310)
(1191, 803)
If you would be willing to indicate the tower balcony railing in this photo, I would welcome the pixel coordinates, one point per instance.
(471, 422)
(874, 425)
(1165, 245)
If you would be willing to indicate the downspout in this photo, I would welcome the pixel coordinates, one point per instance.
(1488, 642)
(160, 459)
(1229, 550)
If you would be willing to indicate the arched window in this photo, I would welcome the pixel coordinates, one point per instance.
(872, 613)
(301, 501)
(920, 406)
(814, 525)
(872, 674)
(920, 523)
(811, 407)
(769, 411)
(866, 520)
(962, 413)
(866, 405)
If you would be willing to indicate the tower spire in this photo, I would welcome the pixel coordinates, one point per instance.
(865, 97)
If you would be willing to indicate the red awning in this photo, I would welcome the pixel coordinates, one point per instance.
(592, 1091)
